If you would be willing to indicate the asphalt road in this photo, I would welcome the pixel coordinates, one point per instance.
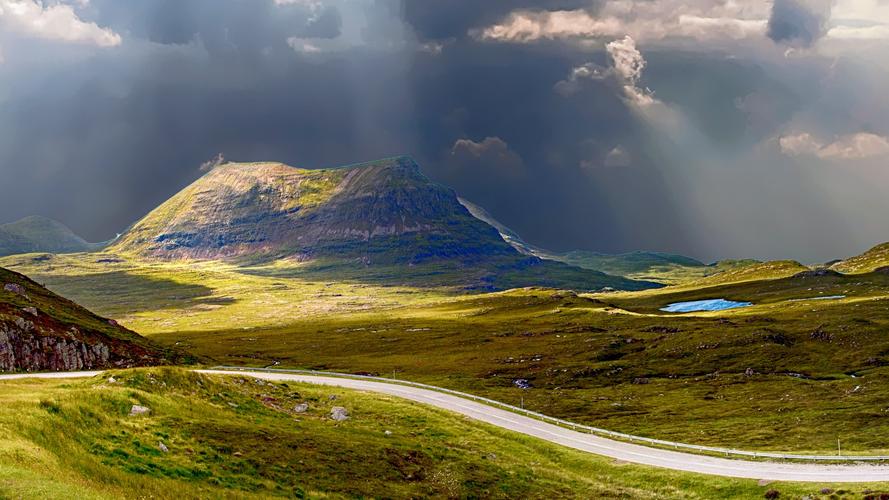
(625, 452)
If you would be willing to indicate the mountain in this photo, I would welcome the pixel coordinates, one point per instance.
(381, 220)
(658, 267)
(40, 234)
(872, 260)
(41, 331)
(506, 233)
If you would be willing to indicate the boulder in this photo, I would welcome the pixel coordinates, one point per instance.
(162, 447)
(339, 413)
(138, 410)
(522, 383)
(301, 408)
(15, 288)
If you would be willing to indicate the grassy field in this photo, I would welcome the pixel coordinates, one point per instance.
(241, 438)
(791, 373)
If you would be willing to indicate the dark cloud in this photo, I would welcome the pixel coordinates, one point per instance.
(799, 22)
(219, 25)
(97, 137)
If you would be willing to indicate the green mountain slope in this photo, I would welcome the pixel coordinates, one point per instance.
(41, 331)
(39, 234)
(755, 271)
(628, 263)
(875, 258)
(380, 221)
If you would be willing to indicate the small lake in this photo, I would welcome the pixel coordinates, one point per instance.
(705, 305)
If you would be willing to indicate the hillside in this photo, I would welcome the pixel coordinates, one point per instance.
(39, 234)
(381, 220)
(40, 331)
(233, 437)
(506, 233)
(875, 258)
(742, 271)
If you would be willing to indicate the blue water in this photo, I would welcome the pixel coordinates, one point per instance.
(705, 305)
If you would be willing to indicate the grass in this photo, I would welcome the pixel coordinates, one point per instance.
(785, 375)
(236, 437)
(870, 261)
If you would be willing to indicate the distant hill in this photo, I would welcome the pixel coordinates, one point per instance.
(41, 331)
(664, 268)
(381, 220)
(754, 271)
(628, 263)
(40, 234)
(875, 258)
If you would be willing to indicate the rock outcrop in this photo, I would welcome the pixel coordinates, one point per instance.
(40, 331)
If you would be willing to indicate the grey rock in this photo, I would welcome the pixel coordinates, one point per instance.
(522, 383)
(162, 447)
(31, 310)
(15, 288)
(301, 408)
(339, 413)
(138, 410)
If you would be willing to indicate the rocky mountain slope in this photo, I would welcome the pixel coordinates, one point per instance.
(40, 331)
(40, 234)
(872, 260)
(373, 216)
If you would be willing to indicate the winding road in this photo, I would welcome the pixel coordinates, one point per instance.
(618, 450)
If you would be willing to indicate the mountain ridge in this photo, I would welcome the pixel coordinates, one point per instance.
(383, 214)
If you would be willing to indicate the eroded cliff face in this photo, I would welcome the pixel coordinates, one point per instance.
(23, 347)
(40, 331)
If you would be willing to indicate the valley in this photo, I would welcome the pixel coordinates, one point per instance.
(767, 377)
(374, 270)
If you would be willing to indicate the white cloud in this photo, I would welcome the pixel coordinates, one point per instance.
(858, 146)
(53, 22)
(617, 157)
(588, 71)
(304, 45)
(697, 19)
(492, 152)
(875, 32)
(627, 65)
(860, 20)
(799, 144)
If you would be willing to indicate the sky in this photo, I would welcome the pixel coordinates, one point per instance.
(711, 128)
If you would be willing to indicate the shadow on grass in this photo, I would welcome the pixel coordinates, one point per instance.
(121, 291)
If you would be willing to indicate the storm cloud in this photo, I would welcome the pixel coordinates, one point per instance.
(800, 22)
(543, 131)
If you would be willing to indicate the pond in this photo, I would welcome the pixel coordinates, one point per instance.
(705, 305)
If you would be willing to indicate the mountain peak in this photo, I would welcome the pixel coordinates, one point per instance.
(37, 233)
(245, 209)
